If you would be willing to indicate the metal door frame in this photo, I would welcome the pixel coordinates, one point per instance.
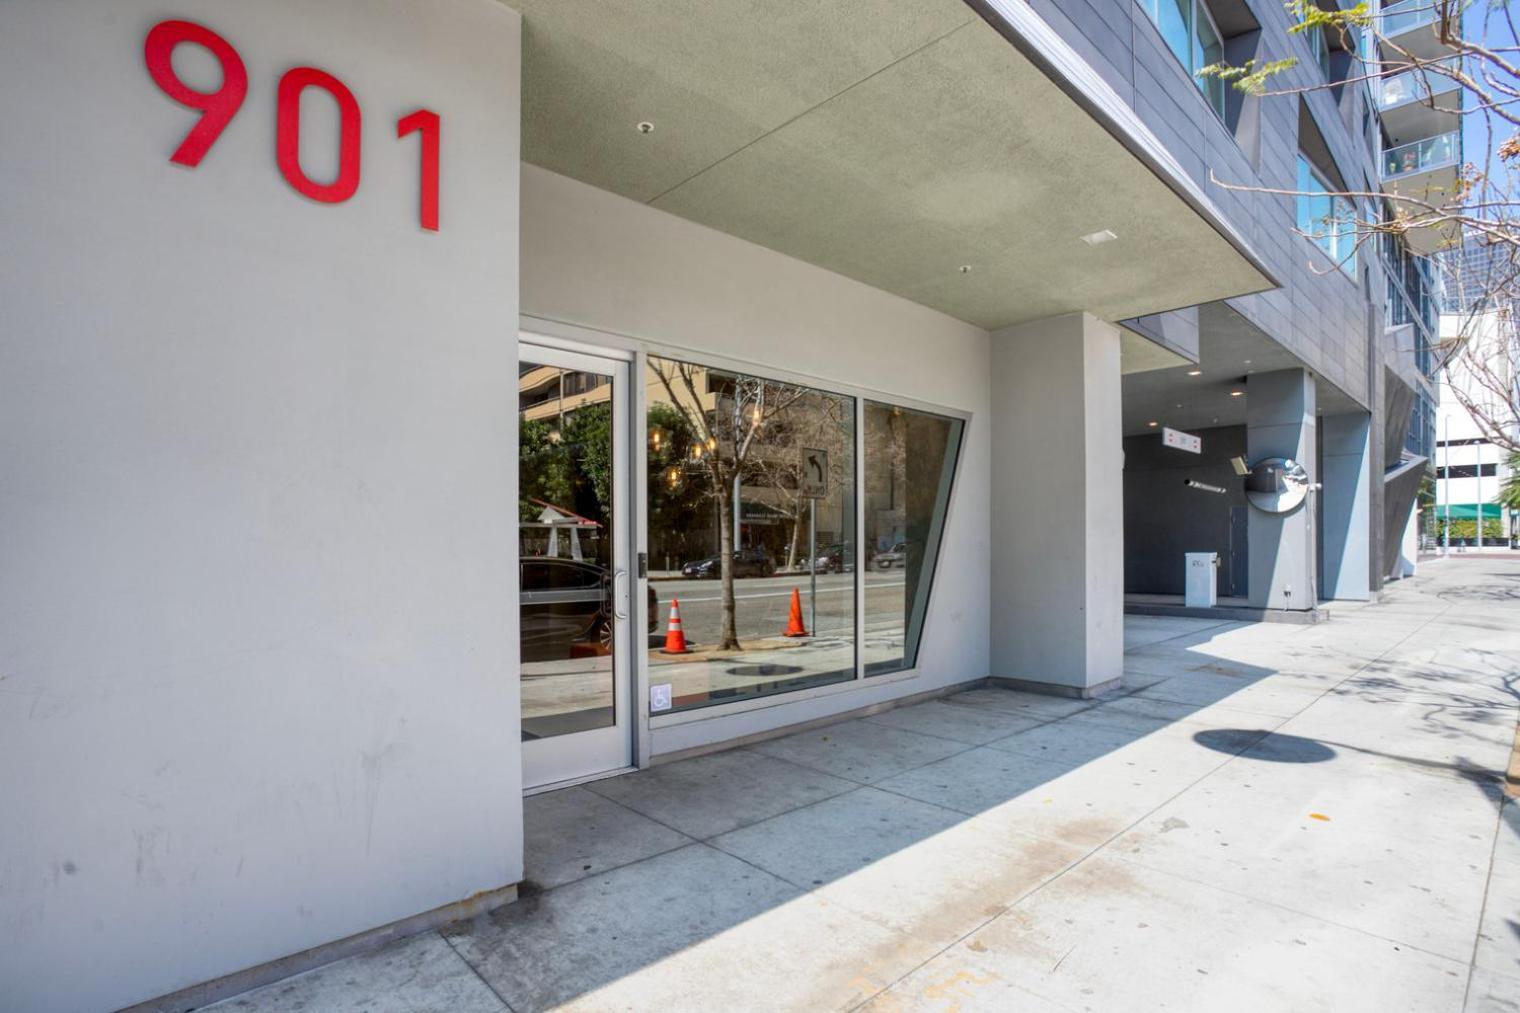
(575, 757)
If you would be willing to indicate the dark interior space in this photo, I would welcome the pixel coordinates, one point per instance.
(1164, 518)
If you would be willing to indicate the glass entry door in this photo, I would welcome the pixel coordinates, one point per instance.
(574, 582)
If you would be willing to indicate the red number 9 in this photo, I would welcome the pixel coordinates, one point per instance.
(219, 106)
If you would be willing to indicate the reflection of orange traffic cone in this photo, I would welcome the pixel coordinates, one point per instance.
(675, 639)
(794, 627)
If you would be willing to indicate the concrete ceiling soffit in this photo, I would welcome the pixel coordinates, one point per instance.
(893, 143)
(1140, 354)
(1231, 350)
(1017, 22)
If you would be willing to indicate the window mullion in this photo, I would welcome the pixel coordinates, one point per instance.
(861, 561)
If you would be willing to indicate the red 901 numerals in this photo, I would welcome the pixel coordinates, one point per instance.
(219, 107)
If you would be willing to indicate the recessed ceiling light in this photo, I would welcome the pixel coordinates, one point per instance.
(1195, 372)
(646, 127)
(1237, 393)
(1100, 237)
(1153, 424)
(1179, 406)
(1248, 362)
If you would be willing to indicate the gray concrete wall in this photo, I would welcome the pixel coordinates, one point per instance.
(1163, 518)
(1281, 423)
(1345, 507)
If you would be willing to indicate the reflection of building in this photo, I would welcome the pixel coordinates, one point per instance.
(559, 533)
(545, 392)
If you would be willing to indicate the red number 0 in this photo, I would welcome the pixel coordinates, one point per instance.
(431, 128)
(288, 135)
(218, 106)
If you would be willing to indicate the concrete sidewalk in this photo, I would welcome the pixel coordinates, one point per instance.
(1267, 817)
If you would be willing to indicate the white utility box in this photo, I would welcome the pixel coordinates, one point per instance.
(1200, 580)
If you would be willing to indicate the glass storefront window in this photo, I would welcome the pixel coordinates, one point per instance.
(751, 530)
(910, 460)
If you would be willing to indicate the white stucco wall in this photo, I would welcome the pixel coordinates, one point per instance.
(596, 260)
(1058, 494)
(257, 595)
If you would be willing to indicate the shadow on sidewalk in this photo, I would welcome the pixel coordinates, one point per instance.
(898, 833)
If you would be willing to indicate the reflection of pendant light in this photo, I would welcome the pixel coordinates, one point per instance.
(555, 434)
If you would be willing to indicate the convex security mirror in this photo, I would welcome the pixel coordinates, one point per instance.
(1277, 485)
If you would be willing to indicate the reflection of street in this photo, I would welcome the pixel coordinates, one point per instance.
(699, 677)
(762, 604)
(766, 656)
(571, 694)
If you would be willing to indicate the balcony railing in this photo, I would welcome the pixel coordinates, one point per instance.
(1422, 156)
(1407, 15)
(1419, 83)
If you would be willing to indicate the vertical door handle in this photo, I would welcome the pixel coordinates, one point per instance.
(617, 598)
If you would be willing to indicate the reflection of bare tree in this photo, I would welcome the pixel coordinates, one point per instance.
(730, 434)
(887, 474)
(814, 421)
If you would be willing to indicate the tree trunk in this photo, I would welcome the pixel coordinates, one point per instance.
(730, 632)
(791, 552)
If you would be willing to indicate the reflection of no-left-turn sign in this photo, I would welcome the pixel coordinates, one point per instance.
(814, 480)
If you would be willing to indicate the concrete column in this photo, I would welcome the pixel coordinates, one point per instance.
(1057, 506)
(1346, 506)
(1280, 423)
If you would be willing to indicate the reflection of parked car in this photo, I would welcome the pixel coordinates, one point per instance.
(565, 602)
(836, 558)
(747, 563)
(897, 555)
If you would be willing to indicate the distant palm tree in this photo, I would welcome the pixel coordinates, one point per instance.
(1509, 489)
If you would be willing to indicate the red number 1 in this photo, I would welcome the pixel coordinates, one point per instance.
(431, 127)
(218, 106)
